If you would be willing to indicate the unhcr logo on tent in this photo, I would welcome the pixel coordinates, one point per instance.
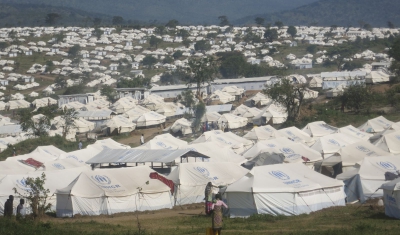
(163, 145)
(334, 142)
(58, 166)
(271, 145)
(101, 179)
(22, 185)
(363, 149)
(387, 166)
(279, 175)
(267, 129)
(74, 157)
(286, 151)
(205, 173)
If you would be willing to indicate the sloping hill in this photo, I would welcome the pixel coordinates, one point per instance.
(339, 12)
(186, 11)
(34, 15)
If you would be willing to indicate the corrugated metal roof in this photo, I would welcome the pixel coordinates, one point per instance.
(236, 80)
(141, 155)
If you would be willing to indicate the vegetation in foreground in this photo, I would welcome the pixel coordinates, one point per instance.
(351, 219)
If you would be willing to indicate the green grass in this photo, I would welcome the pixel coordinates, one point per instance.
(339, 220)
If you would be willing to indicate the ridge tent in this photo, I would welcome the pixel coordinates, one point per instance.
(225, 139)
(107, 144)
(271, 114)
(164, 141)
(240, 110)
(375, 125)
(330, 144)
(391, 197)
(81, 156)
(49, 149)
(150, 119)
(319, 129)
(221, 96)
(191, 179)
(251, 113)
(211, 117)
(182, 125)
(135, 112)
(393, 128)
(216, 152)
(14, 168)
(262, 133)
(363, 181)
(283, 189)
(113, 191)
(296, 135)
(233, 90)
(259, 99)
(120, 124)
(124, 104)
(62, 164)
(352, 131)
(280, 150)
(232, 121)
(389, 142)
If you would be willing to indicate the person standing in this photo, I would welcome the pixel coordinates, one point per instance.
(8, 206)
(142, 140)
(207, 126)
(217, 215)
(80, 145)
(223, 126)
(208, 197)
(21, 209)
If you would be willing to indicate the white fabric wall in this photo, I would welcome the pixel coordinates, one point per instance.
(241, 204)
(392, 203)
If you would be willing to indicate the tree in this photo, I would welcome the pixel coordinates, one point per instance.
(232, 65)
(49, 66)
(97, 21)
(390, 25)
(188, 98)
(357, 97)
(289, 95)
(77, 89)
(172, 23)
(168, 60)
(149, 61)
(60, 82)
(97, 32)
(200, 72)
(279, 24)
(292, 31)
(271, 34)
(154, 41)
(161, 30)
(202, 45)
(74, 50)
(367, 27)
(68, 116)
(173, 77)
(117, 20)
(339, 54)
(108, 92)
(223, 20)
(394, 52)
(38, 127)
(183, 33)
(312, 49)
(134, 82)
(35, 193)
(4, 45)
(51, 18)
(177, 54)
(259, 21)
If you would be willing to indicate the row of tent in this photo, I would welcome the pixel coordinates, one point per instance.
(288, 159)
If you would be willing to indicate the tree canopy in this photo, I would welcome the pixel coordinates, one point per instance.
(271, 34)
(292, 31)
(201, 71)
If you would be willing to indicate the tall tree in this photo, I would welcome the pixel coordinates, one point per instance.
(68, 118)
(108, 92)
(289, 95)
(259, 21)
(37, 127)
(292, 31)
(394, 52)
(202, 45)
(117, 20)
(74, 50)
(154, 41)
(339, 54)
(279, 24)
(223, 20)
(51, 18)
(271, 34)
(200, 72)
(149, 61)
(357, 97)
(172, 23)
(390, 25)
(183, 33)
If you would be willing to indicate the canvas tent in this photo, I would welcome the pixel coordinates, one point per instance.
(319, 129)
(191, 179)
(164, 141)
(262, 133)
(120, 124)
(296, 135)
(211, 117)
(391, 197)
(136, 112)
(363, 181)
(272, 114)
(182, 125)
(232, 121)
(283, 189)
(332, 143)
(375, 125)
(351, 130)
(150, 119)
(113, 191)
(389, 142)
(216, 152)
(124, 104)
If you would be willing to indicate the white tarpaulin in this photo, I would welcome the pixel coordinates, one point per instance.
(262, 133)
(113, 191)
(296, 135)
(351, 130)
(283, 189)
(164, 141)
(319, 129)
(232, 121)
(191, 179)
(124, 104)
(216, 152)
(330, 144)
(211, 117)
(182, 125)
(391, 197)
(375, 125)
(119, 123)
(136, 112)
(150, 119)
(107, 144)
(389, 142)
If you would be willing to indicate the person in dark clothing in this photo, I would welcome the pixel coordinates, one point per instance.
(8, 206)
(20, 209)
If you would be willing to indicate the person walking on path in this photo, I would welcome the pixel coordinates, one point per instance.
(8, 206)
(208, 198)
(217, 214)
(80, 145)
(142, 140)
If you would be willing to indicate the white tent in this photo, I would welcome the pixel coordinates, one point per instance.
(330, 144)
(221, 96)
(211, 117)
(119, 123)
(232, 121)
(364, 181)
(81, 156)
(296, 135)
(136, 112)
(272, 114)
(191, 179)
(389, 142)
(375, 125)
(259, 99)
(164, 141)
(391, 197)
(113, 191)
(62, 164)
(276, 151)
(216, 152)
(49, 149)
(393, 128)
(225, 139)
(351, 130)
(107, 144)
(182, 125)
(262, 133)
(124, 104)
(233, 90)
(150, 119)
(319, 129)
(283, 189)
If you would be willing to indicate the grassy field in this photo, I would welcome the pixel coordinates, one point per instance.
(351, 219)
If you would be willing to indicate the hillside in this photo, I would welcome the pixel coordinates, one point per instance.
(339, 12)
(186, 11)
(34, 15)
